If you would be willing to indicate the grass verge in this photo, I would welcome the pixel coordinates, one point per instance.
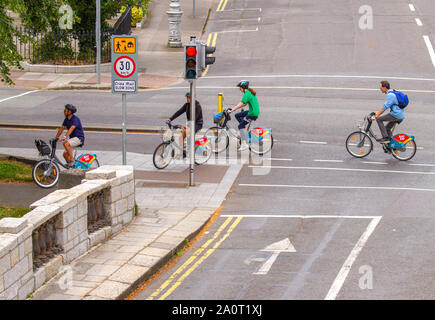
(15, 171)
(12, 212)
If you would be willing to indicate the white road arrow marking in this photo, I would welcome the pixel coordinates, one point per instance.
(253, 259)
(277, 247)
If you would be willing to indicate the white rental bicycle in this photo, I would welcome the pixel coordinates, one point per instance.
(165, 152)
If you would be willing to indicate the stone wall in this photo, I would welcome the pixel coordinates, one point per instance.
(68, 209)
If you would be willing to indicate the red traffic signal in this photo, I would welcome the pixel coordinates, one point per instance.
(191, 51)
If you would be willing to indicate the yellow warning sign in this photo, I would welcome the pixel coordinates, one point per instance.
(124, 45)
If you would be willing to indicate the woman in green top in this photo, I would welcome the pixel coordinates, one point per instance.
(244, 117)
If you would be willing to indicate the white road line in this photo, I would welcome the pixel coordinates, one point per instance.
(374, 162)
(317, 76)
(319, 160)
(297, 216)
(279, 159)
(418, 21)
(235, 31)
(344, 271)
(20, 95)
(421, 164)
(333, 187)
(430, 49)
(411, 7)
(345, 169)
(313, 142)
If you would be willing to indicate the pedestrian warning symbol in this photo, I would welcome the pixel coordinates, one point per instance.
(124, 45)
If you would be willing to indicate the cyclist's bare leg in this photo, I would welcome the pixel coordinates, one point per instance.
(68, 154)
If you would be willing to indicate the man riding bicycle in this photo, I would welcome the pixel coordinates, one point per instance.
(244, 117)
(74, 136)
(396, 114)
(186, 109)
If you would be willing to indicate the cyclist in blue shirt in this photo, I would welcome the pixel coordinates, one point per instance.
(396, 114)
(74, 136)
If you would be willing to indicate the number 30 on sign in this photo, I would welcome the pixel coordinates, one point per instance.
(124, 66)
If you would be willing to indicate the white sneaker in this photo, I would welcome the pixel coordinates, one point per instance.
(244, 146)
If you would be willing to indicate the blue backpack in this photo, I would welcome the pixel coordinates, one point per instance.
(402, 99)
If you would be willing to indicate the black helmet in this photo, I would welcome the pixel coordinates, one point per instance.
(71, 108)
(187, 94)
(243, 84)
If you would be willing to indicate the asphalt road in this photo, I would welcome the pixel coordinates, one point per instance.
(313, 223)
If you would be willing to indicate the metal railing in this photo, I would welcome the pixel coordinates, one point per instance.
(63, 47)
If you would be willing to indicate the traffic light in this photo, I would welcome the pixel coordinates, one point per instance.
(208, 59)
(204, 59)
(190, 61)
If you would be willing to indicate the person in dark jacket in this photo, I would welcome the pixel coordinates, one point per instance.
(186, 109)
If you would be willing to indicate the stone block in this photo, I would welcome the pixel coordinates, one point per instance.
(66, 218)
(109, 289)
(116, 193)
(131, 186)
(15, 256)
(83, 236)
(72, 254)
(16, 272)
(82, 225)
(82, 208)
(100, 173)
(52, 267)
(25, 289)
(116, 228)
(10, 293)
(107, 231)
(42, 214)
(61, 237)
(129, 274)
(96, 237)
(39, 277)
(5, 264)
(49, 199)
(12, 225)
(7, 243)
(130, 202)
(125, 190)
(83, 247)
(72, 231)
(28, 246)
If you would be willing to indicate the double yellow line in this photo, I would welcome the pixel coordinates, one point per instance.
(221, 6)
(182, 272)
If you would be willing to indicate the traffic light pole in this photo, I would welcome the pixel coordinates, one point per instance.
(192, 131)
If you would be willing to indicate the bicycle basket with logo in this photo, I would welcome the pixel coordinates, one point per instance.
(43, 148)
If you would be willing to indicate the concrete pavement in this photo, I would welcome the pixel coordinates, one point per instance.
(170, 214)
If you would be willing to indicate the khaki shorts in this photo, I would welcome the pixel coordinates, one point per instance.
(74, 142)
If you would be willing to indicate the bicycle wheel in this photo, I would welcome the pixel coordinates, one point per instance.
(163, 155)
(203, 151)
(359, 144)
(45, 173)
(219, 139)
(405, 153)
(260, 142)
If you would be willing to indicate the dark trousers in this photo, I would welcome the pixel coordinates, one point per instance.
(386, 130)
(242, 118)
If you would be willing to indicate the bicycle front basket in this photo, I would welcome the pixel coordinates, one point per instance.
(43, 148)
(167, 135)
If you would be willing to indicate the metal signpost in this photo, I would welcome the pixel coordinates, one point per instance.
(98, 40)
(124, 76)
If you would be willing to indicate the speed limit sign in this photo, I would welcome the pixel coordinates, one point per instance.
(124, 65)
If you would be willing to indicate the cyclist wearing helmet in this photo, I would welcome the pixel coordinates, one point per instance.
(186, 109)
(74, 136)
(244, 117)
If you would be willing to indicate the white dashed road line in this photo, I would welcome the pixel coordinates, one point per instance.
(19, 95)
(430, 49)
